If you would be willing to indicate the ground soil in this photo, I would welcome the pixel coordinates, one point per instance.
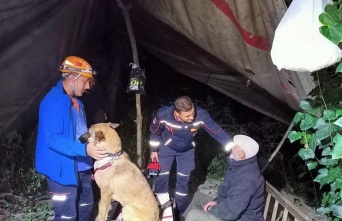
(198, 182)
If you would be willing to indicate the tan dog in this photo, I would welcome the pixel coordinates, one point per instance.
(121, 180)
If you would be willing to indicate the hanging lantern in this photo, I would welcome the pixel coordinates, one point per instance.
(136, 82)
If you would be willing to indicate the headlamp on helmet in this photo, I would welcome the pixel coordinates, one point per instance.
(77, 65)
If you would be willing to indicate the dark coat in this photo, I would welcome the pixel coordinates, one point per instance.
(242, 194)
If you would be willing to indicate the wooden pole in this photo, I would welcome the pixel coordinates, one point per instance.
(278, 147)
(125, 12)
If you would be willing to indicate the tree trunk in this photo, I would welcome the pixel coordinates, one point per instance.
(125, 12)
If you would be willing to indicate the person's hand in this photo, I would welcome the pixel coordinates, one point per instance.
(154, 155)
(207, 206)
(96, 152)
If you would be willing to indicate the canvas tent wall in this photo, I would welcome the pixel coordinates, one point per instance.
(226, 45)
(222, 43)
(35, 36)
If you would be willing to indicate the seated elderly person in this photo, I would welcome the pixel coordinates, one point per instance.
(241, 195)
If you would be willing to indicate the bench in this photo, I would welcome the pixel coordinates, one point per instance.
(278, 208)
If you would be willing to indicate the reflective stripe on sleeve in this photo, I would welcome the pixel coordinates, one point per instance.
(154, 143)
(168, 141)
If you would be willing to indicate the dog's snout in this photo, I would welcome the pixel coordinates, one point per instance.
(84, 138)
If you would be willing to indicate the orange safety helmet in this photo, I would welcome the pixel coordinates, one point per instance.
(78, 65)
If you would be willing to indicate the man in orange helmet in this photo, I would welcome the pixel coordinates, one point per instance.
(65, 161)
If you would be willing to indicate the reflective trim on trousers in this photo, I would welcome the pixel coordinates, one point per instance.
(161, 193)
(182, 174)
(181, 194)
(87, 204)
(68, 217)
(71, 202)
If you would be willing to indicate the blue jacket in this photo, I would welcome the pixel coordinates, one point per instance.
(167, 130)
(242, 194)
(56, 148)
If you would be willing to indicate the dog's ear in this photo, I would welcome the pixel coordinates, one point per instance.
(99, 135)
(113, 125)
(84, 138)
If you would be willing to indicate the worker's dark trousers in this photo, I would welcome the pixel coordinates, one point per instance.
(73, 203)
(185, 165)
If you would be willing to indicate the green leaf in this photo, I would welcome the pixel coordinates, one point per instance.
(332, 29)
(339, 183)
(329, 115)
(328, 161)
(334, 197)
(327, 151)
(330, 33)
(330, 16)
(337, 210)
(325, 199)
(298, 117)
(338, 111)
(334, 172)
(324, 131)
(322, 210)
(311, 165)
(305, 139)
(333, 187)
(306, 154)
(339, 68)
(321, 173)
(307, 122)
(304, 104)
(337, 149)
(319, 122)
(338, 122)
(293, 136)
(318, 178)
(317, 112)
(313, 142)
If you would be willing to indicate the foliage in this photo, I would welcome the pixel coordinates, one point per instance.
(17, 165)
(19, 176)
(331, 19)
(320, 123)
(38, 212)
(217, 167)
(128, 135)
(320, 136)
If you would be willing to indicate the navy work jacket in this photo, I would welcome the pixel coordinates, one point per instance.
(167, 130)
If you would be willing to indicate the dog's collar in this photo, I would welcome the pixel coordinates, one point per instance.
(115, 157)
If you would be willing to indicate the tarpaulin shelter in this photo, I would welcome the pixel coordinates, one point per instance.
(224, 44)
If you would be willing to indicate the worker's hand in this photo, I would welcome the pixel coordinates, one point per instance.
(96, 152)
(154, 156)
(207, 206)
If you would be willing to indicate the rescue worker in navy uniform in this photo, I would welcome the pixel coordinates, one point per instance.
(241, 196)
(172, 134)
